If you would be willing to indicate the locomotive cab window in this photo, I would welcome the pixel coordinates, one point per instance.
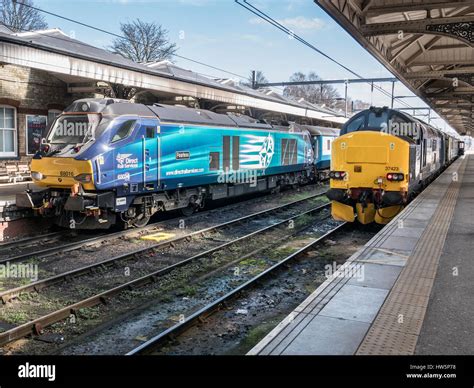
(123, 130)
(74, 129)
(356, 124)
(377, 120)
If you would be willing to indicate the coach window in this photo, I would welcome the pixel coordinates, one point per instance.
(123, 130)
(425, 145)
(8, 131)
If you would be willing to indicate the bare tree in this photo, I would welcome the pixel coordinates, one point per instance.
(259, 79)
(144, 42)
(17, 16)
(318, 94)
(121, 91)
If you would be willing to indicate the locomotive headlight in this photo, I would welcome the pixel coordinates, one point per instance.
(83, 178)
(395, 177)
(37, 176)
(337, 174)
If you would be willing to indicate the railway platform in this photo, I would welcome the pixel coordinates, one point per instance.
(16, 222)
(409, 290)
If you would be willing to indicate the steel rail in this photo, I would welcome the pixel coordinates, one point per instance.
(10, 294)
(36, 326)
(28, 240)
(207, 310)
(95, 240)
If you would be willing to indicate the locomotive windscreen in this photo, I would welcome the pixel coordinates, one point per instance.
(74, 129)
(368, 120)
(384, 120)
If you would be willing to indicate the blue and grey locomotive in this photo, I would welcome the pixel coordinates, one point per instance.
(106, 161)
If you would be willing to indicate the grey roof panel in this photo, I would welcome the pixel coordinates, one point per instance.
(247, 121)
(182, 114)
(321, 131)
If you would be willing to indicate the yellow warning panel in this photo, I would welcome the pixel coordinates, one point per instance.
(365, 214)
(341, 212)
(161, 236)
(384, 215)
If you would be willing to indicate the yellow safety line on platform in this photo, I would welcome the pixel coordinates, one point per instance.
(397, 326)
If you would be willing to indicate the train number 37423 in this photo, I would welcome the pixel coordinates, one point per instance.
(387, 168)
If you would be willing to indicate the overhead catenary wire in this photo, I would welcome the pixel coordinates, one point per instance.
(251, 8)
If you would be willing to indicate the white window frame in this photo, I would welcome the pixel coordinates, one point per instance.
(14, 154)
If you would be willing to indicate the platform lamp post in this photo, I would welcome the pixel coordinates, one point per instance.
(393, 93)
(346, 84)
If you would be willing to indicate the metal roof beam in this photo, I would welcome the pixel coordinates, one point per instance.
(439, 73)
(444, 62)
(460, 27)
(425, 6)
(327, 82)
(423, 49)
(462, 106)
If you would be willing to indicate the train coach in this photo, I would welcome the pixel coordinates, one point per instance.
(321, 140)
(382, 159)
(106, 161)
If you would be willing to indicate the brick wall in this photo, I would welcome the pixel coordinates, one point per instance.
(32, 92)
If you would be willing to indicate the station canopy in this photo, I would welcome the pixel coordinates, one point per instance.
(427, 44)
(81, 66)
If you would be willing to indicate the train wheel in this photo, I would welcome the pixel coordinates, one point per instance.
(188, 210)
(141, 221)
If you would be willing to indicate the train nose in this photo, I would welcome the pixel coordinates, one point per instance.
(60, 172)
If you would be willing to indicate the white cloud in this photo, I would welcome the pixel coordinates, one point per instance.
(296, 23)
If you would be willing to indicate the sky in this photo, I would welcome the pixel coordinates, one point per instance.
(225, 35)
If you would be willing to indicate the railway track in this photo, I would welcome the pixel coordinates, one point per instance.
(200, 315)
(27, 241)
(59, 247)
(36, 326)
(49, 244)
(12, 292)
